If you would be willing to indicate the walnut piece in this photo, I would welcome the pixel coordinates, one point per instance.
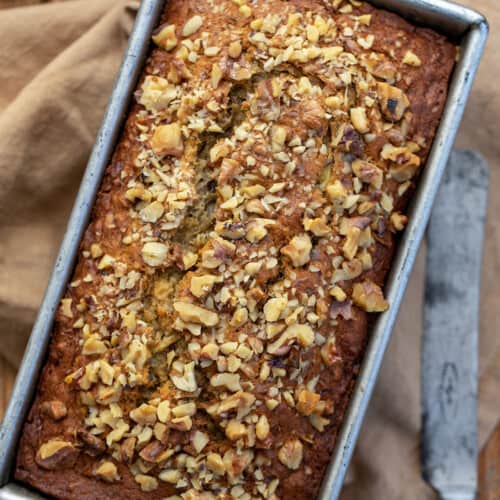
(167, 140)
(368, 173)
(154, 254)
(192, 25)
(144, 414)
(215, 463)
(405, 163)
(147, 483)
(360, 120)
(201, 285)
(393, 101)
(107, 471)
(262, 428)
(412, 59)
(234, 49)
(307, 402)
(298, 250)
(199, 440)
(291, 454)
(229, 380)
(183, 377)
(56, 454)
(274, 307)
(235, 430)
(54, 409)
(191, 313)
(369, 297)
(156, 94)
(165, 37)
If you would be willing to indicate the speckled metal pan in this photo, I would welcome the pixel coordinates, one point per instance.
(466, 27)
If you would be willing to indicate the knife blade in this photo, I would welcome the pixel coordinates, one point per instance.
(449, 378)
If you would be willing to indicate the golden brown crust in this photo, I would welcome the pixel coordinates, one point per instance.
(213, 330)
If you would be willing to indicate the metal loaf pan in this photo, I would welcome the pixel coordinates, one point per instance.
(466, 27)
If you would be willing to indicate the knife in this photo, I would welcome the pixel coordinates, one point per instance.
(449, 375)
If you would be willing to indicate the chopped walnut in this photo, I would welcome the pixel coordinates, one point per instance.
(154, 254)
(171, 476)
(56, 454)
(144, 415)
(192, 313)
(156, 93)
(317, 226)
(192, 26)
(235, 430)
(183, 377)
(234, 49)
(393, 101)
(256, 230)
(350, 247)
(412, 59)
(405, 164)
(201, 285)
(291, 454)
(167, 140)
(274, 307)
(147, 483)
(229, 380)
(199, 440)
(368, 173)
(307, 402)
(369, 297)
(54, 409)
(262, 428)
(298, 250)
(303, 333)
(165, 37)
(66, 308)
(360, 120)
(107, 471)
(152, 212)
(398, 221)
(215, 463)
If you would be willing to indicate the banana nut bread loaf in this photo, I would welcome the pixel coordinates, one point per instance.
(211, 335)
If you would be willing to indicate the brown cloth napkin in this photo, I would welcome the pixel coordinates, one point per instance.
(57, 66)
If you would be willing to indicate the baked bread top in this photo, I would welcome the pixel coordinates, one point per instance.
(210, 338)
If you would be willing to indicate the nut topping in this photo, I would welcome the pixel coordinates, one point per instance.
(54, 409)
(56, 454)
(369, 297)
(107, 471)
(154, 254)
(291, 454)
(194, 314)
(393, 101)
(192, 26)
(298, 250)
(307, 403)
(167, 140)
(165, 37)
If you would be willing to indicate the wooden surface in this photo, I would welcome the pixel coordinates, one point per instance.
(489, 462)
